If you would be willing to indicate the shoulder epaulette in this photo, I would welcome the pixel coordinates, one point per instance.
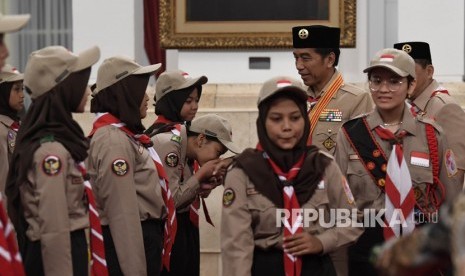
(352, 89)
(428, 120)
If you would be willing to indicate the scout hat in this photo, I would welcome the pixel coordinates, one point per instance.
(315, 36)
(10, 74)
(417, 50)
(281, 84)
(395, 60)
(175, 80)
(117, 68)
(50, 65)
(215, 126)
(11, 23)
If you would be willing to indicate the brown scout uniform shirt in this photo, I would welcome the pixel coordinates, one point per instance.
(126, 187)
(249, 219)
(449, 115)
(7, 146)
(366, 192)
(54, 206)
(349, 101)
(172, 150)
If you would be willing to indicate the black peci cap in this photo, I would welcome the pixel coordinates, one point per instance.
(416, 49)
(315, 36)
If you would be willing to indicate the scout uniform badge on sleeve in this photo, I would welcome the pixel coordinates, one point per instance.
(176, 138)
(228, 197)
(11, 140)
(51, 165)
(451, 166)
(120, 167)
(172, 159)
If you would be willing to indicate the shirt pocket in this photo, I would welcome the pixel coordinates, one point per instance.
(421, 178)
(264, 215)
(317, 213)
(74, 188)
(361, 184)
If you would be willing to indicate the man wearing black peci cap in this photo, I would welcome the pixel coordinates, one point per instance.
(331, 102)
(431, 99)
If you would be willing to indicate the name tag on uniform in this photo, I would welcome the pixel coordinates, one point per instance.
(420, 159)
(77, 180)
(251, 191)
(353, 157)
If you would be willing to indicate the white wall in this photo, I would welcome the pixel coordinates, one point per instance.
(441, 24)
(108, 24)
(116, 26)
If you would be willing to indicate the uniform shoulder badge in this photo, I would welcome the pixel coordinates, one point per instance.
(449, 160)
(120, 167)
(11, 140)
(352, 89)
(172, 159)
(51, 165)
(228, 197)
(176, 138)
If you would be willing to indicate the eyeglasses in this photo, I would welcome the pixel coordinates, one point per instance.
(393, 85)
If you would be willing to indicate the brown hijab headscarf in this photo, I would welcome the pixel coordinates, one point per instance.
(257, 168)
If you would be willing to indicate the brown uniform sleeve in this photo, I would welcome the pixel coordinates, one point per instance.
(53, 211)
(451, 118)
(4, 163)
(339, 198)
(450, 181)
(170, 152)
(118, 199)
(237, 239)
(364, 105)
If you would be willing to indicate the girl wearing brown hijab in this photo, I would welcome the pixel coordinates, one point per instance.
(176, 100)
(11, 102)
(45, 186)
(282, 175)
(125, 176)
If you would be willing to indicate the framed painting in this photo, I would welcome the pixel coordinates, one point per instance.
(249, 23)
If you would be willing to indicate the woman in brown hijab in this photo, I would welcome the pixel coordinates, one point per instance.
(280, 176)
(45, 185)
(11, 102)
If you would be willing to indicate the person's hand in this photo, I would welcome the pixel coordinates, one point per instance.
(302, 244)
(208, 186)
(223, 165)
(207, 170)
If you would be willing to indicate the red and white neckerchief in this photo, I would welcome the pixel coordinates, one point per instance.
(171, 225)
(15, 126)
(194, 207)
(11, 263)
(162, 119)
(97, 248)
(292, 264)
(311, 102)
(399, 195)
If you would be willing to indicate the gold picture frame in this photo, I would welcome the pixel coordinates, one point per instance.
(176, 32)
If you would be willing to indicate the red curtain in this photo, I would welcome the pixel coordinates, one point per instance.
(152, 45)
